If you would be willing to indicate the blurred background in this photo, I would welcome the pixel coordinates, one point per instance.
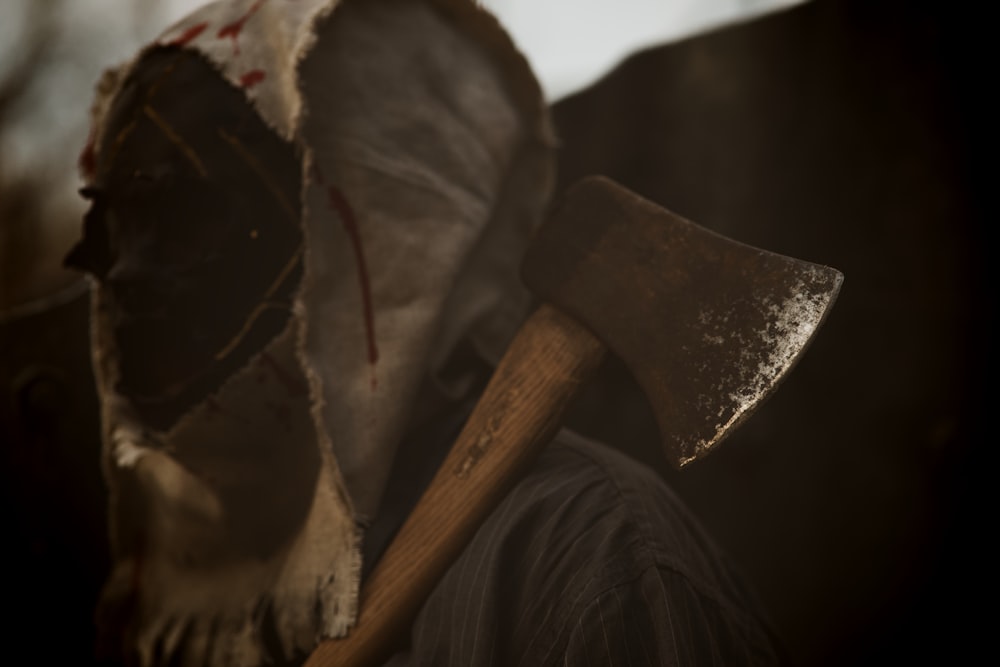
(852, 133)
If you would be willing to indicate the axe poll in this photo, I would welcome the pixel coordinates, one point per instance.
(708, 326)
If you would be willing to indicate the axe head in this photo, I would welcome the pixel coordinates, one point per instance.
(708, 326)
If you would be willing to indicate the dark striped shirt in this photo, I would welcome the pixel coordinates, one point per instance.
(590, 560)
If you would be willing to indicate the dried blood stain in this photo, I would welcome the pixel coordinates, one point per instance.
(188, 35)
(252, 78)
(339, 205)
(233, 30)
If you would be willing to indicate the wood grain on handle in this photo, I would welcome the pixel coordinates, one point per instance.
(517, 415)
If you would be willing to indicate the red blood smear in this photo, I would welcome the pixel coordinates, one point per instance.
(234, 29)
(188, 35)
(293, 384)
(252, 78)
(340, 206)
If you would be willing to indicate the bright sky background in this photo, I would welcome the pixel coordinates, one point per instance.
(570, 44)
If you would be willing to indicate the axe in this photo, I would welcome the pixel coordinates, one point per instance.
(708, 327)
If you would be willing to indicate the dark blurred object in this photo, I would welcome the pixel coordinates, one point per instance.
(845, 133)
(51, 493)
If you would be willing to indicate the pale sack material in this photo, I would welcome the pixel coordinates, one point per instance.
(427, 158)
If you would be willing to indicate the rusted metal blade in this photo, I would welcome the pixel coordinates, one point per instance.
(707, 325)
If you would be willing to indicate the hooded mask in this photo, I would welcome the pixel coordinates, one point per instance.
(334, 198)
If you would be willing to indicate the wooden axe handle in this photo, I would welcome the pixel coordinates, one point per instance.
(518, 414)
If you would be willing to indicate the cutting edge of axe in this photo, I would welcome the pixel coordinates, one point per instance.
(708, 326)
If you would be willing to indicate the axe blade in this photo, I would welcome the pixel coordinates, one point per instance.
(708, 326)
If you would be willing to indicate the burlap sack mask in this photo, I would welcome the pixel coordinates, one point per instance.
(422, 148)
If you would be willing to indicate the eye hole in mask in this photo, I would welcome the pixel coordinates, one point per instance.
(193, 233)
